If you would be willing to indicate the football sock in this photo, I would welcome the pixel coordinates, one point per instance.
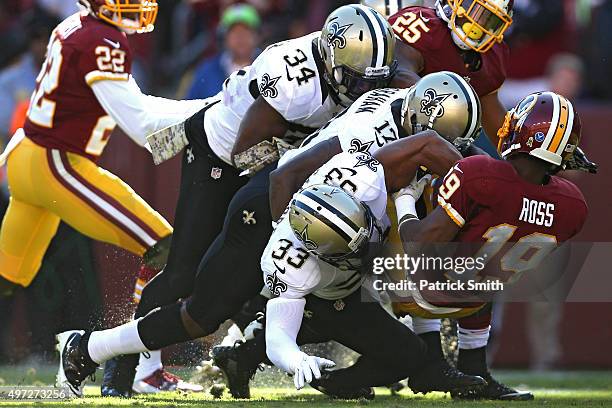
(106, 344)
(421, 325)
(145, 274)
(473, 361)
(148, 364)
(473, 338)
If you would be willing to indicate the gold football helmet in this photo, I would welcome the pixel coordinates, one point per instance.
(390, 7)
(330, 223)
(447, 103)
(357, 46)
(131, 16)
(477, 24)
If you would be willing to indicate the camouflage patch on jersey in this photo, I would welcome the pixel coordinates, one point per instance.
(168, 142)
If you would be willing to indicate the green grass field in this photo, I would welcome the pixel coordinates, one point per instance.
(556, 389)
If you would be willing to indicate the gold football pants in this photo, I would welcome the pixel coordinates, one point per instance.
(49, 185)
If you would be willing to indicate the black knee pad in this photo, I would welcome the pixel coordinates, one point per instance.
(162, 290)
(156, 257)
(163, 327)
(206, 318)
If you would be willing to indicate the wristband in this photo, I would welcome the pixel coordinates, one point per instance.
(405, 205)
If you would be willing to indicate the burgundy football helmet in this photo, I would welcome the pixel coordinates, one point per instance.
(544, 125)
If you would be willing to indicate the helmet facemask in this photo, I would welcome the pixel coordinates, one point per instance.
(352, 84)
(130, 16)
(479, 24)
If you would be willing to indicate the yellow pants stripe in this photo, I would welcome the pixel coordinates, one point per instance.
(47, 186)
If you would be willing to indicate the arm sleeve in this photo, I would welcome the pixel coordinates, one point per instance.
(283, 321)
(138, 114)
(457, 195)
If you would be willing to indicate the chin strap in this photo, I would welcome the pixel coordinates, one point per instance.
(579, 161)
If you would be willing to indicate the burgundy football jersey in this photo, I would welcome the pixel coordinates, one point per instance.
(64, 112)
(423, 30)
(494, 205)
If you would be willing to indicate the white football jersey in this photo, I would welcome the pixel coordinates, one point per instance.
(371, 122)
(288, 75)
(290, 270)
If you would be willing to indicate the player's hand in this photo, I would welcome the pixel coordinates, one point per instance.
(309, 368)
(580, 161)
(415, 188)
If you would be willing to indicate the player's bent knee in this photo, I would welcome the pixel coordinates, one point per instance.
(192, 326)
(201, 319)
(157, 256)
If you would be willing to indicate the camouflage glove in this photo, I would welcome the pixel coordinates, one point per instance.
(579, 161)
(259, 156)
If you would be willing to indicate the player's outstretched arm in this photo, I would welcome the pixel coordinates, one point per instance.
(401, 159)
(261, 122)
(493, 114)
(137, 114)
(410, 61)
(287, 179)
(283, 321)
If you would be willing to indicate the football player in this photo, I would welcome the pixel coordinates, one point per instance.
(462, 36)
(376, 119)
(84, 89)
(293, 88)
(484, 200)
(390, 7)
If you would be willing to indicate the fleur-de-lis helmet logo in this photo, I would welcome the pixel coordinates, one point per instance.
(336, 35)
(303, 236)
(432, 103)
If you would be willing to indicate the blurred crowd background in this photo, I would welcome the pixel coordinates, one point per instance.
(559, 45)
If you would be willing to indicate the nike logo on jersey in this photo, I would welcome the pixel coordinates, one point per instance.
(425, 20)
(278, 268)
(112, 43)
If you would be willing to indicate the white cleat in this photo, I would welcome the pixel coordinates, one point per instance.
(62, 345)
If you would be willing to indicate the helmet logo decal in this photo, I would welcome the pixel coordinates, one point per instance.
(267, 86)
(335, 37)
(303, 236)
(432, 103)
(357, 146)
(539, 137)
(275, 285)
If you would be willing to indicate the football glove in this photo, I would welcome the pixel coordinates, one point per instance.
(309, 368)
(579, 161)
(415, 188)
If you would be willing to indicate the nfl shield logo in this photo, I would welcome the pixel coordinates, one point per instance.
(215, 173)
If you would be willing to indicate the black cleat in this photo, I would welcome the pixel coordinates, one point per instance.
(237, 373)
(119, 376)
(494, 390)
(75, 365)
(327, 386)
(441, 376)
